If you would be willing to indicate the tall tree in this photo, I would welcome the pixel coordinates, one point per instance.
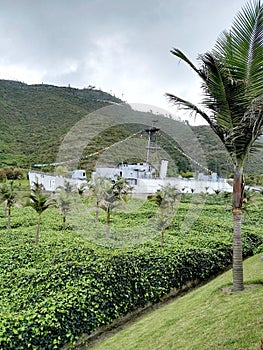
(232, 82)
(39, 201)
(8, 195)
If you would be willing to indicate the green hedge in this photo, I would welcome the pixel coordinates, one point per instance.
(59, 294)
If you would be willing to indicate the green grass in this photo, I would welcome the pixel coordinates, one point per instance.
(206, 318)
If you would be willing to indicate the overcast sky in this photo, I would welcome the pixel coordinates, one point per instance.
(120, 46)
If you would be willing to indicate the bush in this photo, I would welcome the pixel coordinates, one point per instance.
(11, 174)
(54, 300)
(52, 293)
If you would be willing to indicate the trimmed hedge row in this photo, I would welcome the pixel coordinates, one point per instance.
(51, 302)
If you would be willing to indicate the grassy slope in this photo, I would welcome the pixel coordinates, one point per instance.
(206, 318)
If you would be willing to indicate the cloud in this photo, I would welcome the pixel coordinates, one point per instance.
(119, 46)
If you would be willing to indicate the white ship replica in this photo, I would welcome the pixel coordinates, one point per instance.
(145, 179)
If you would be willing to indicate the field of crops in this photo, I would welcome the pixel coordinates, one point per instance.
(76, 280)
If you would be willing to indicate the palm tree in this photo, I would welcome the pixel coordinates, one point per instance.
(232, 82)
(165, 199)
(39, 202)
(113, 192)
(8, 194)
(97, 187)
(64, 201)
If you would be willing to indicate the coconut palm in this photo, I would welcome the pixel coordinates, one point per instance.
(8, 195)
(232, 82)
(39, 201)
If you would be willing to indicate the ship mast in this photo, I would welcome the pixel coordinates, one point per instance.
(151, 145)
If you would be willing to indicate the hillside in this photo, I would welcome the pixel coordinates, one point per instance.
(34, 120)
(217, 157)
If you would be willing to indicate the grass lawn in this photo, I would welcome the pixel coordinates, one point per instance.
(209, 317)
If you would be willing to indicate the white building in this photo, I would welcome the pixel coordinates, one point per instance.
(50, 182)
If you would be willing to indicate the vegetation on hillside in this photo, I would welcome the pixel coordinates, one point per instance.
(35, 118)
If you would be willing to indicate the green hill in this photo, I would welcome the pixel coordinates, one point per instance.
(34, 120)
(217, 157)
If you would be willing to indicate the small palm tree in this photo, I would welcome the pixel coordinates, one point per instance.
(39, 202)
(165, 199)
(64, 200)
(232, 81)
(8, 195)
(97, 187)
(113, 192)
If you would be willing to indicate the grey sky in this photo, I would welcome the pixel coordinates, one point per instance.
(120, 46)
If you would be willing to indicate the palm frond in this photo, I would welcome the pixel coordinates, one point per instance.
(242, 49)
(184, 104)
(217, 90)
(232, 82)
(178, 53)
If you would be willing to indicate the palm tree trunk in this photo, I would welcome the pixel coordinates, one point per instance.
(162, 238)
(64, 222)
(238, 193)
(9, 218)
(97, 212)
(5, 210)
(38, 228)
(108, 224)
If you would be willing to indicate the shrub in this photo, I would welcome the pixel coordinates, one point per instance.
(55, 298)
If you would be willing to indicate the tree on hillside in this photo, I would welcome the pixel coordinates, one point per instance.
(232, 82)
(39, 201)
(8, 195)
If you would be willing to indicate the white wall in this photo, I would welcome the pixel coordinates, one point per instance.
(150, 186)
